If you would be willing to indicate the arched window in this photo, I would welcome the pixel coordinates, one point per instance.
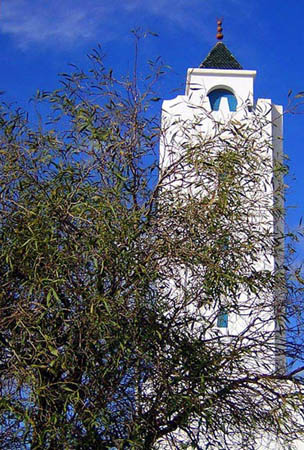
(216, 96)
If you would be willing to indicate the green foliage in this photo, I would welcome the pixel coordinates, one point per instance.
(102, 342)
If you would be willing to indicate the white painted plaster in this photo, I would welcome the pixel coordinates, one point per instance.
(193, 111)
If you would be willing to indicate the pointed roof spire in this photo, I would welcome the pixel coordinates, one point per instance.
(220, 57)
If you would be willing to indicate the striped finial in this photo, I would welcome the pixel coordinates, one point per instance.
(219, 34)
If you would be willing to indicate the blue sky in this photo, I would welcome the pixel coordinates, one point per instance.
(38, 39)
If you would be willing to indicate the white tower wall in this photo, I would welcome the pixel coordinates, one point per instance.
(179, 115)
(192, 113)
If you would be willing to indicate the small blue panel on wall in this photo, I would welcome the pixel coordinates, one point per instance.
(222, 319)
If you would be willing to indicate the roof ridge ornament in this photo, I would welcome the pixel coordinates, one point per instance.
(220, 57)
(219, 34)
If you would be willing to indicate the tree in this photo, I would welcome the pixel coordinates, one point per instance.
(103, 343)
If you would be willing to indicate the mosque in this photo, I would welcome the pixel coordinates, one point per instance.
(219, 91)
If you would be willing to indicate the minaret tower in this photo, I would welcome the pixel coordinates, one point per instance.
(220, 91)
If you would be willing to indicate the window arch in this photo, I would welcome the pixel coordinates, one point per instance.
(216, 95)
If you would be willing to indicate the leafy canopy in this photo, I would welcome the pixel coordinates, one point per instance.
(103, 344)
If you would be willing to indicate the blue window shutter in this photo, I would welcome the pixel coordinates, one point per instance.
(222, 319)
(216, 96)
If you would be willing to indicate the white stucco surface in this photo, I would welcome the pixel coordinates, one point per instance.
(192, 111)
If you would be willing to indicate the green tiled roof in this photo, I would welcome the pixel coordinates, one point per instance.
(220, 58)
